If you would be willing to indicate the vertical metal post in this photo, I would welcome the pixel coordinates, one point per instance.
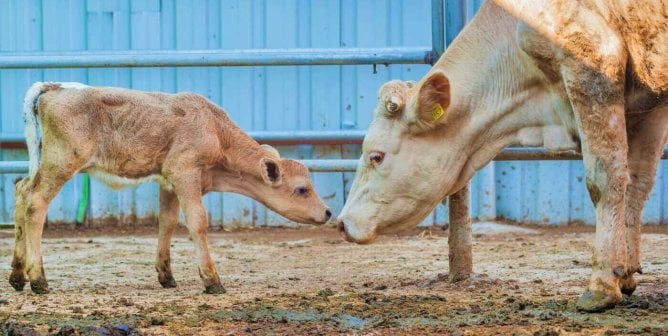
(460, 236)
(456, 17)
(437, 28)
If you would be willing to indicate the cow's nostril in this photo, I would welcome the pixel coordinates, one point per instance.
(341, 226)
(328, 214)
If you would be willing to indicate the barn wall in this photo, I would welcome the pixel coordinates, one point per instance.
(266, 98)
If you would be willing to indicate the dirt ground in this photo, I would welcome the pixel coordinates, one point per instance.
(308, 281)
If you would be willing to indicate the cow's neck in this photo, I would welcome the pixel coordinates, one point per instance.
(496, 89)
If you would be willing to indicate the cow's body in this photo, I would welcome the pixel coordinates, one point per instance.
(584, 75)
(125, 137)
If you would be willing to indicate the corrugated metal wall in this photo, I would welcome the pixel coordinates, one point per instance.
(266, 98)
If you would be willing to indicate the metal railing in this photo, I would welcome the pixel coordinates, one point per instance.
(246, 57)
(221, 57)
(243, 57)
(328, 138)
(261, 57)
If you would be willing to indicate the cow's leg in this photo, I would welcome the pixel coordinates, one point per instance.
(647, 139)
(187, 186)
(460, 255)
(598, 106)
(167, 221)
(17, 277)
(42, 189)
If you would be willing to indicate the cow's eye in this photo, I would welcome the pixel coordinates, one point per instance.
(376, 157)
(302, 191)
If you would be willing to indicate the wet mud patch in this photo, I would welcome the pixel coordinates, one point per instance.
(67, 328)
(308, 281)
(366, 312)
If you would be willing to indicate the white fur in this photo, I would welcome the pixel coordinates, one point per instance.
(31, 130)
(118, 182)
(73, 85)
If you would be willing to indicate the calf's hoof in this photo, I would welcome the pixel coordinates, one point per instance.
(593, 301)
(215, 289)
(40, 286)
(17, 280)
(168, 282)
(627, 284)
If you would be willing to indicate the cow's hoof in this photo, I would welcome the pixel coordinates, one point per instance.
(39, 286)
(627, 284)
(215, 289)
(168, 282)
(17, 280)
(596, 301)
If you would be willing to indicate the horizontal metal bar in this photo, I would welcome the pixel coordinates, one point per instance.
(216, 57)
(13, 167)
(267, 137)
(308, 137)
(21, 167)
(331, 165)
(356, 137)
(347, 165)
(535, 154)
(542, 154)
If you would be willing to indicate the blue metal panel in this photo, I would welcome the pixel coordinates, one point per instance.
(63, 207)
(324, 106)
(282, 24)
(237, 33)
(275, 98)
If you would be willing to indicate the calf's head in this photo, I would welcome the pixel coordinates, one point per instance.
(282, 185)
(410, 159)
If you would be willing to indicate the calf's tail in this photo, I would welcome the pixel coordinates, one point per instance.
(30, 117)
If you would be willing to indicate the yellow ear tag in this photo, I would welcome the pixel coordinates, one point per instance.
(437, 113)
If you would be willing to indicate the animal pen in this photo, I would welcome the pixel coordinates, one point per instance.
(182, 51)
(302, 76)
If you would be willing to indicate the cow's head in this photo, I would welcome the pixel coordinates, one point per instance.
(408, 163)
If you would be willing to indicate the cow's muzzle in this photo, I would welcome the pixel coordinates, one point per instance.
(354, 236)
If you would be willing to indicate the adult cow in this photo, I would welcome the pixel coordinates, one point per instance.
(588, 75)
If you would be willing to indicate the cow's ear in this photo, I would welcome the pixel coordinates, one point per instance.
(271, 150)
(271, 172)
(433, 99)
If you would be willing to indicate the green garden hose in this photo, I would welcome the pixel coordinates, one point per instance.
(83, 201)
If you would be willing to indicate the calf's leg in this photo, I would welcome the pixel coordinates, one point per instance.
(167, 221)
(17, 277)
(187, 186)
(42, 189)
(460, 254)
(647, 139)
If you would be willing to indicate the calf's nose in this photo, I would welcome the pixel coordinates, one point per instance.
(328, 214)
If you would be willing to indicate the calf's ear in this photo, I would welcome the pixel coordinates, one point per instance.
(271, 172)
(433, 99)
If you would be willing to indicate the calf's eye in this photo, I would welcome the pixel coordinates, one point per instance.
(302, 191)
(376, 157)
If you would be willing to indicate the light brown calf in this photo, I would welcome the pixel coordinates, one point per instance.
(123, 137)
